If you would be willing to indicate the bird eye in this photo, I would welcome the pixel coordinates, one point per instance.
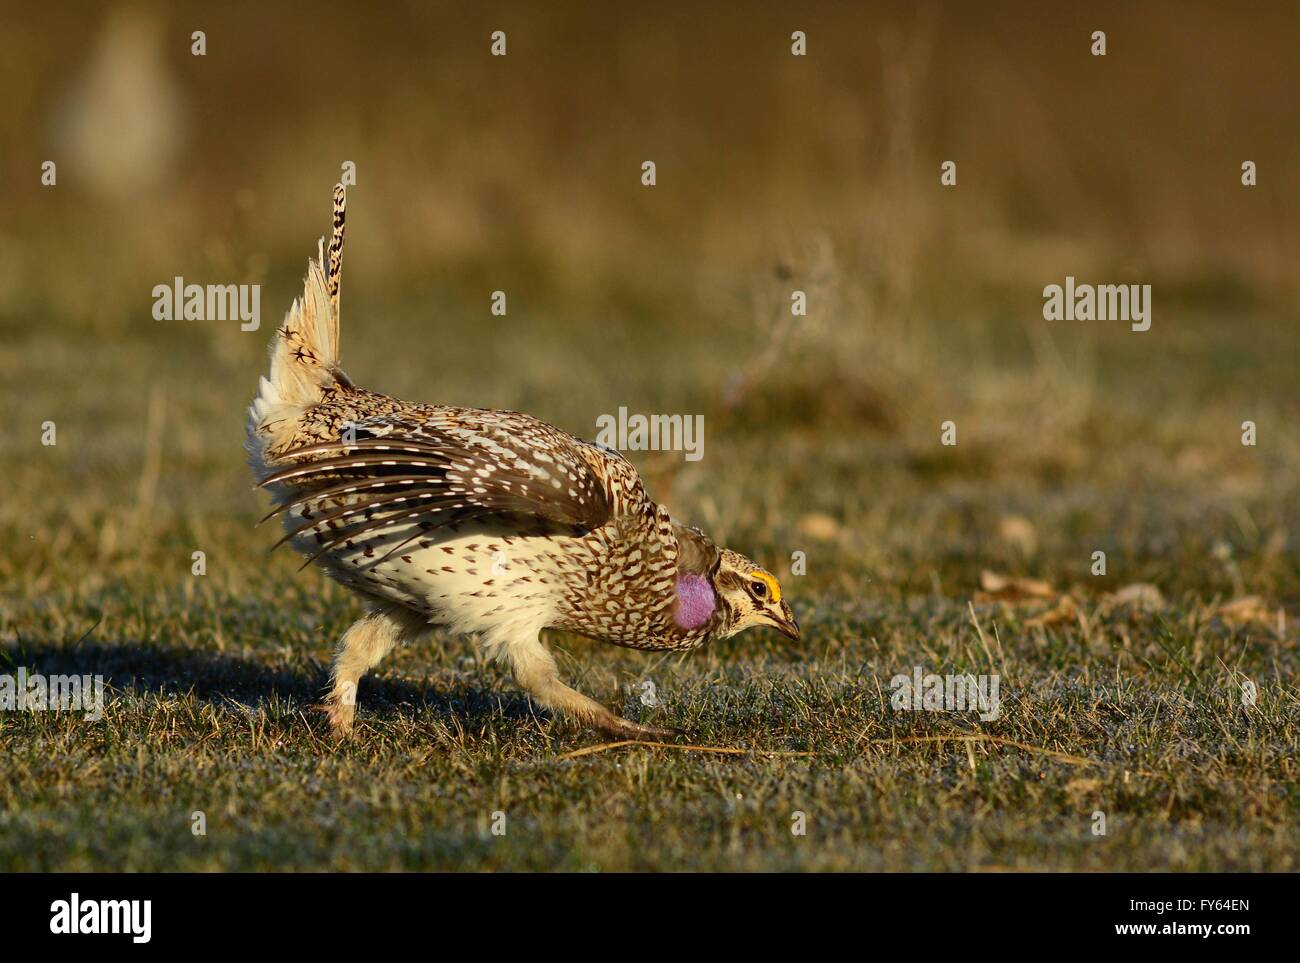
(759, 588)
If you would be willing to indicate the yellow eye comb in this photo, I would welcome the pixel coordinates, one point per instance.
(772, 587)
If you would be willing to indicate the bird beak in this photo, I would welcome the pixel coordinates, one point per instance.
(785, 623)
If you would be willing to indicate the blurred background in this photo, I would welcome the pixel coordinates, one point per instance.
(775, 173)
(820, 173)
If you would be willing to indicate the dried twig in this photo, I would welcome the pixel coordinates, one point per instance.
(997, 740)
(733, 751)
(724, 750)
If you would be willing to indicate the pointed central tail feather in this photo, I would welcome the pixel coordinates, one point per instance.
(304, 351)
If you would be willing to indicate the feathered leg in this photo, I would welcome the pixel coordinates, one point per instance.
(360, 649)
(537, 674)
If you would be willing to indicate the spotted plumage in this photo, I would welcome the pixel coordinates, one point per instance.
(480, 521)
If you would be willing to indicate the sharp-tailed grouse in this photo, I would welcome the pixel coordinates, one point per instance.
(479, 521)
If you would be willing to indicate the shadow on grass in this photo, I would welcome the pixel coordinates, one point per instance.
(221, 679)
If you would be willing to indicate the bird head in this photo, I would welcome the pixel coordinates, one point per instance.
(752, 596)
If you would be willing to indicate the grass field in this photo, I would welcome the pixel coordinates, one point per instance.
(212, 677)
(1123, 693)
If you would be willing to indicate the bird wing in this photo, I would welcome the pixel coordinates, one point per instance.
(436, 466)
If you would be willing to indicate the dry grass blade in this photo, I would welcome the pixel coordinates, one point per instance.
(996, 740)
(735, 751)
(721, 750)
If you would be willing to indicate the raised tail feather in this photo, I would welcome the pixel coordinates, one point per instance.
(305, 349)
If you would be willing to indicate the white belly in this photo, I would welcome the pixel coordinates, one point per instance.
(478, 579)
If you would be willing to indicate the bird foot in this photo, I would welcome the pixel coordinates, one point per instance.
(340, 717)
(626, 729)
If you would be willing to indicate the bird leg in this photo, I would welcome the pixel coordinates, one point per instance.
(536, 673)
(362, 646)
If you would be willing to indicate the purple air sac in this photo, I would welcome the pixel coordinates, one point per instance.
(695, 601)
